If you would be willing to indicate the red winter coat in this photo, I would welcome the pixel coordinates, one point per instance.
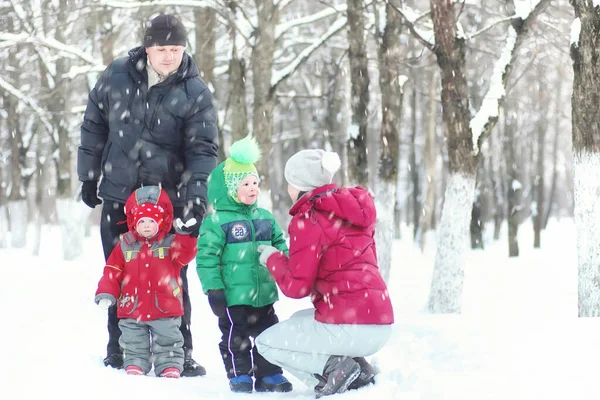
(333, 257)
(145, 278)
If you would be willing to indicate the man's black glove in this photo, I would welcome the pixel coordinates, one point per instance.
(89, 195)
(195, 210)
(218, 304)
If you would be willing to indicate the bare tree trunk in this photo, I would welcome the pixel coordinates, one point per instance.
(70, 212)
(335, 119)
(431, 157)
(358, 169)
(3, 183)
(586, 154)
(448, 273)
(496, 178)
(262, 71)
(514, 185)
(477, 220)
(205, 19)
(40, 179)
(414, 168)
(204, 54)
(389, 138)
(237, 99)
(539, 186)
(557, 118)
(17, 205)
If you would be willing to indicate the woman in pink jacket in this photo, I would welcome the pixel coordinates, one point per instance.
(332, 259)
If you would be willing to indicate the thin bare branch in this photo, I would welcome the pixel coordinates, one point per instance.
(411, 27)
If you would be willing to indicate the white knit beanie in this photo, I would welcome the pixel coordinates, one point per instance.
(310, 169)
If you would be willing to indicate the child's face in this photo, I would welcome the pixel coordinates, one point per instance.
(248, 190)
(293, 192)
(147, 227)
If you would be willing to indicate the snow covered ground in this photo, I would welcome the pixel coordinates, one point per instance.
(518, 338)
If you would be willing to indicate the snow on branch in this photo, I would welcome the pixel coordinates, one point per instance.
(524, 7)
(155, 3)
(490, 26)
(411, 24)
(281, 28)
(487, 114)
(282, 4)
(49, 42)
(491, 100)
(282, 74)
(31, 103)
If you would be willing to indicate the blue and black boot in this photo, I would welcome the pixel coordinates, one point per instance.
(273, 383)
(241, 384)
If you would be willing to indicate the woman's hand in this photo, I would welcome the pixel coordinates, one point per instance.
(265, 252)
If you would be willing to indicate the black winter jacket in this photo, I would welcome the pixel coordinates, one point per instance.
(133, 136)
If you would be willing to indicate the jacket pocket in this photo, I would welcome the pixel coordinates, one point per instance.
(166, 303)
(128, 304)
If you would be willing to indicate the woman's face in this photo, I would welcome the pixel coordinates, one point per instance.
(293, 192)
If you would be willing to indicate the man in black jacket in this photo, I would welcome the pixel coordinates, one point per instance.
(149, 120)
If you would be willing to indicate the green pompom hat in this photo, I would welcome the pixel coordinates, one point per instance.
(242, 156)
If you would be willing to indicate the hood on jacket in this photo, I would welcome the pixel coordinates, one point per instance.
(154, 195)
(354, 205)
(187, 70)
(217, 194)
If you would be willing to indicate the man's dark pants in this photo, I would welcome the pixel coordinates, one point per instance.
(110, 229)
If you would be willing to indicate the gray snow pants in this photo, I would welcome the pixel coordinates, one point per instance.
(302, 345)
(164, 350)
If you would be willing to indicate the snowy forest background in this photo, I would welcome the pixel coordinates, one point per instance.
(455, 114)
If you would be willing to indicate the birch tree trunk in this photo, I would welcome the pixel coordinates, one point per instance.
(539, 181)
(586, 154)
(389, 138)
(414, 178)
(430, 159)
(557, 119)
(205, 55)
(70, 213)
(514, 184)
(358, 169)
(17, 204)
(448, 273)
(262, 72)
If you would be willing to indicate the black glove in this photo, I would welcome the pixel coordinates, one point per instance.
(89, 195)
(218, 304)
(194, 210)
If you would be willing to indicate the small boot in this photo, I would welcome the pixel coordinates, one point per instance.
(190, 367)
(114, 360)
(170, 372)
(273, 383)
(134, 370)
(367, 374)
(341, 371)
(241, 384)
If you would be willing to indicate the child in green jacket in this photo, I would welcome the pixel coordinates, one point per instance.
(241, 292)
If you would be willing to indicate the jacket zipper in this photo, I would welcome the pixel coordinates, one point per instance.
(160, 97)
(129, 104)
(253, 230)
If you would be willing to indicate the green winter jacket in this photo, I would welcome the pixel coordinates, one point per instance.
(227, 257)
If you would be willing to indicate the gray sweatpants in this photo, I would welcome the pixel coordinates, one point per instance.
(164, 351)
(302, 345)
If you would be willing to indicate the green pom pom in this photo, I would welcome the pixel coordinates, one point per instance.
(245, 151)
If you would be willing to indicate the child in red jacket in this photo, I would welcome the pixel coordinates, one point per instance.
(142, 276)
(332, 259)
